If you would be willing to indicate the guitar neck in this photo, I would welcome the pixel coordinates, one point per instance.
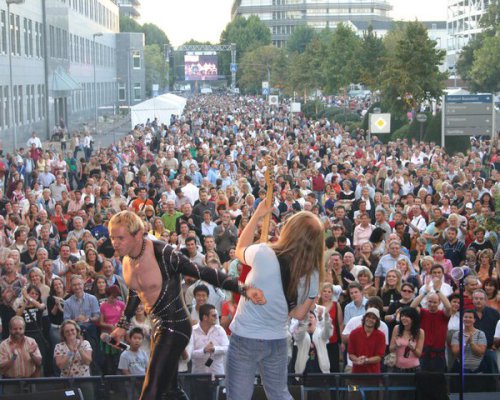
(264, 233)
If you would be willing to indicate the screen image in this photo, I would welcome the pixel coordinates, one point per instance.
(198, 67)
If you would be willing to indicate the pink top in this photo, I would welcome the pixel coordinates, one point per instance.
(403, 362)
(112, 312)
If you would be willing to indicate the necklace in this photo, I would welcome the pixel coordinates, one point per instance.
(141, 253)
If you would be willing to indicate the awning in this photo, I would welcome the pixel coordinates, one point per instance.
(62, 82)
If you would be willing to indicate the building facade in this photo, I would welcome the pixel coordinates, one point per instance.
(282, 16)
(130, 68)
(61, 59)
(129, 8)
(463, 25)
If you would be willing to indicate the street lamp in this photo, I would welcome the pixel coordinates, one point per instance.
(95, 82)
(11, 85)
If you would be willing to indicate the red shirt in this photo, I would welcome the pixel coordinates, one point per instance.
(333, 315)
(360, 344)
(435, 326)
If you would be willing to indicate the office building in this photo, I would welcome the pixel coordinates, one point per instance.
(282, 16)
(62, 62)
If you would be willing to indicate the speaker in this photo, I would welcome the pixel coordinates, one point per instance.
(61, 394)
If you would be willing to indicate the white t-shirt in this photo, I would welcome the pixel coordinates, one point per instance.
(355, 322)
(268, 321)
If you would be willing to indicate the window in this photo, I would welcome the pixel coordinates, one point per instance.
(18, 35)
(7, 105)
(25, 31)
(3, 34)
(52, 37)
(16, 104)
(30, 38)
(137, 91)
(121, 92)
(136, 60)
(20, 100)
(2, 108)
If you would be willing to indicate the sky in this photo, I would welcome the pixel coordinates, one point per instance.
(204, 20)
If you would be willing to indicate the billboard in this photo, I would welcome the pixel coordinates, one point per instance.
(200, 67)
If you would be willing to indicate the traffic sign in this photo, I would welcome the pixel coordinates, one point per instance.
(273, 100)
(234, 67)
(468, 115)
(421, 117)
(265, 91)
(265, 85)
(380, 123)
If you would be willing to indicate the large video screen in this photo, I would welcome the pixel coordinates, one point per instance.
(200, 67)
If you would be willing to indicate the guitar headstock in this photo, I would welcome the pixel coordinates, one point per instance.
(269, 174)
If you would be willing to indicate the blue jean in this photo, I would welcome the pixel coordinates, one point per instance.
(245, 357)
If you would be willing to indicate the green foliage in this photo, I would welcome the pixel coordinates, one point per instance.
(411, 74)
(154, 35)
(491, 18)
(305, 72)
(401, 133)
(371, 56)
(265, 63)
(156, 71)
(300, 38)
(466, 58)
(485, 73)
(433, 128)
(341, 62)
(247, 34)
(128, 24)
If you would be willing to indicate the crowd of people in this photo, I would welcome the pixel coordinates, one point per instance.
(398, 218)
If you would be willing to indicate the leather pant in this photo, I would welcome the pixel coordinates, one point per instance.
(161, 376)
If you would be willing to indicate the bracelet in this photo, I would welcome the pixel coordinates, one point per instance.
(123, 323)
(242, 289)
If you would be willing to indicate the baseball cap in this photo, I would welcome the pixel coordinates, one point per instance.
(374, 311)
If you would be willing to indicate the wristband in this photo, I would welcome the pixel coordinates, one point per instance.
(123, 323)
(242, 289)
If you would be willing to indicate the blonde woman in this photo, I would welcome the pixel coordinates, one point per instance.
(391, 290)
(158, 229)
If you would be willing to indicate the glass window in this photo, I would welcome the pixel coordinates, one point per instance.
(121, 92)
(136, 60)
(137, 91)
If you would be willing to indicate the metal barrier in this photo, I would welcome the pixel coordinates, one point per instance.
(386, 386)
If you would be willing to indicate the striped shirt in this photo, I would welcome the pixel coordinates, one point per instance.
(23, 366)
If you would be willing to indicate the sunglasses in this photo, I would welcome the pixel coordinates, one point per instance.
(407, 291)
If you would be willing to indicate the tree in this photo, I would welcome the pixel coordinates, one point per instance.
(128, 24)
(154, 35)
(247, 34)
(156, 69)
(466, 58)
(466, 62)
(491, 18)
(485, 73)
(265, 63)
(411, 74)
(306, 70)
(341, 58)
(300, 39)
(371, 58)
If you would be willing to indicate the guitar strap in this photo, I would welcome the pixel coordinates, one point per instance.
(285, 280)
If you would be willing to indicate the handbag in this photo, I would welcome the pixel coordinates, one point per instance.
(390, 360)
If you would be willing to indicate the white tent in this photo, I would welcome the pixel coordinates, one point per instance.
(161, 107)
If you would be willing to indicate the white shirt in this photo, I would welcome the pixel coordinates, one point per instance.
(419, 223)
(217, 335)
(445, 289)
(36, 140)
(191, 192)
